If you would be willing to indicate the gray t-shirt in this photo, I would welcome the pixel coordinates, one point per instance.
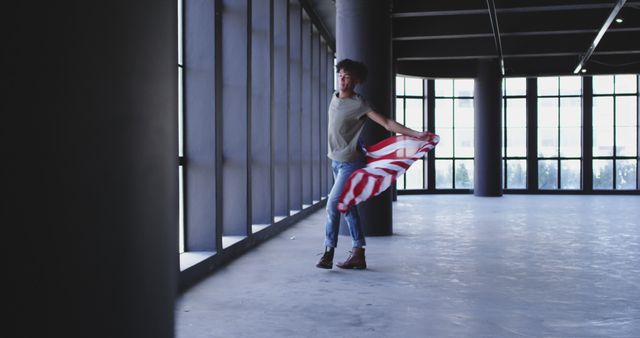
(346, 120)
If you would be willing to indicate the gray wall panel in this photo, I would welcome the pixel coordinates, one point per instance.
(200, 131)
(307, 112)
(235, 118)
(295, 108)
(280, 109)
(315, 116)
(261, 112)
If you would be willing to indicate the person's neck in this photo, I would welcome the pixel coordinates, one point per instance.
(347, 94)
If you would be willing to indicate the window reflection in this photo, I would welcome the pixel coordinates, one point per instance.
(516, 172)
(570, 174)
(626, 174)
(548, 174)
(464, 174)
(444, 174)
(602, 174)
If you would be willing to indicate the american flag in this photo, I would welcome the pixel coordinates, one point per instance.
(386, 161)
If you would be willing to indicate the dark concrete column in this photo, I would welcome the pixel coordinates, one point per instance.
(91, 124)
(488, 129)
(532, 134)
(587, 134)
(363, 33)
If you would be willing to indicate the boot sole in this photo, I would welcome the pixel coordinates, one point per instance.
(324, 266)
(352, 267)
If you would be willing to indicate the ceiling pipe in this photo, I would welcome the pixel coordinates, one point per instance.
(595, 42)
(496, 31)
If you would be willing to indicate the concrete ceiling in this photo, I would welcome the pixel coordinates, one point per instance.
(445, 38)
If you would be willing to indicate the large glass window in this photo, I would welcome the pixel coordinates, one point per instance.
(180, 127)
(454, 122)
(238, 104)
(514, 120)
(410, 103)
(559, 132)
(553, 130)
(615, 132)
(453, 114)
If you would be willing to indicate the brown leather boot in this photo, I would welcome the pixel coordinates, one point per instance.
(326, 262)
(355, 261)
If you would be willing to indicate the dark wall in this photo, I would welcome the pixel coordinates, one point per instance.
(90, 139)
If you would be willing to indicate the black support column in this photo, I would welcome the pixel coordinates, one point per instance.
(532, 135)
(587, 134)
(488, 129)
(90, 126)
(363, 33)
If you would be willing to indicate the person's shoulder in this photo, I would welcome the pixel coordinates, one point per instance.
(363, 101)
(360, 98)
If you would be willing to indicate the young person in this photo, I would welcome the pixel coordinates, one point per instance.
(348, 112)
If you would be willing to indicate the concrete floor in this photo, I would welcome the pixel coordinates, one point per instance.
(457, 266)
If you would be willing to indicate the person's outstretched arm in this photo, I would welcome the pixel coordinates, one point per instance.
(393, 126)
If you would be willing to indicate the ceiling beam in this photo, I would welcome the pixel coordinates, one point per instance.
(482, 11)
(507, 34)
(508, 56)
(443, 37)
(599, 36)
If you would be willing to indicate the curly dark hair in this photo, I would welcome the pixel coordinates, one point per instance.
(358, 69)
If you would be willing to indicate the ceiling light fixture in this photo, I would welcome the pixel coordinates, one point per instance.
(619, 20)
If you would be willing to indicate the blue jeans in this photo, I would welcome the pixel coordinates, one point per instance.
(341, 172)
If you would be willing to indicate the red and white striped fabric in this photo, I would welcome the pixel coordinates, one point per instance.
(386, 161)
